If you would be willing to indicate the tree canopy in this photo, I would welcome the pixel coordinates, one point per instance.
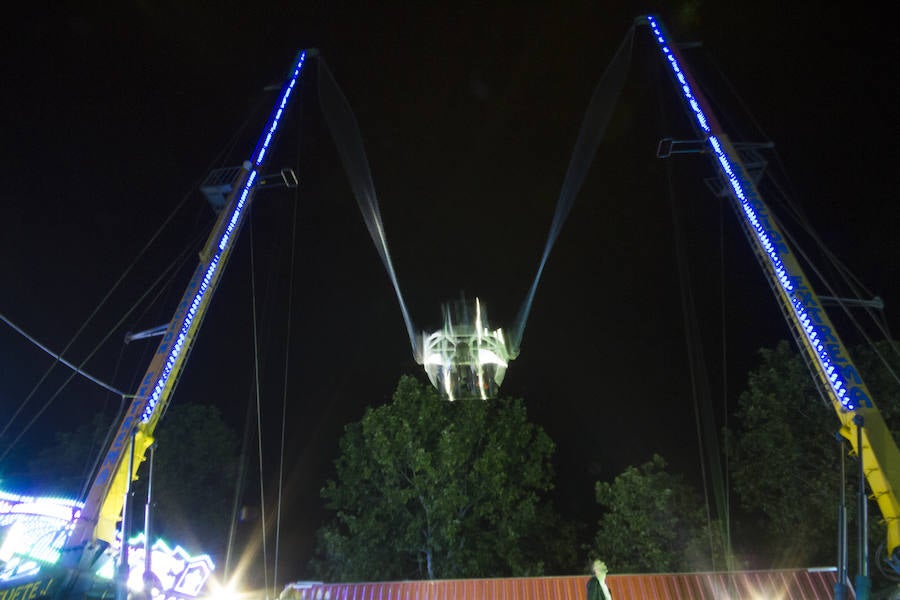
(785, 458)
(436, 489)
(193, 474)
(195, 466)
(654, 521)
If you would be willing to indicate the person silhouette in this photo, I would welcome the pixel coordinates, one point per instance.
(596, 585)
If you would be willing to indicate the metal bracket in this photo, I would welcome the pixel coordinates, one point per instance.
(876, 303)
(286, 177)
(753, 161)
(219, 184)
(669, 146)
(140, 335)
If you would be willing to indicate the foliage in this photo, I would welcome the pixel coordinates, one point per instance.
(193, 470)
(195, 464)
(429, 488)
(785, 458)
(63, 467)
(654, 522)
(881, 379)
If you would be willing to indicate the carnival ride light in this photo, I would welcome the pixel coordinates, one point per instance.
(253, 167)
(177, 572)
(465, 358)
(753, 212)
(223, 594)
(216, 591)
(11, 539)
(36, 528)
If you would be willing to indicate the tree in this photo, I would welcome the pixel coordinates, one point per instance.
(429, 488)
(654, 522)
(785, 457)
(194, 470)
(63, 467)
(194, 466)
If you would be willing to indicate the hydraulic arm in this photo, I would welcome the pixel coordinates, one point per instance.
(103, 506)
(801, 306)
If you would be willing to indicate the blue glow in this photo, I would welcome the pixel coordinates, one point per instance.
(35, 530)
(259, 152)
(178, 573)
(794, 286)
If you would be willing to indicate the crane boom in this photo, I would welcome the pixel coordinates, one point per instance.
(802, 308)
(105, 499)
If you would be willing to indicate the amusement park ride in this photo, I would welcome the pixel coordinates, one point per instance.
(61, 548)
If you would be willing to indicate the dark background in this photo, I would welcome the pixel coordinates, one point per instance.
(469, 114)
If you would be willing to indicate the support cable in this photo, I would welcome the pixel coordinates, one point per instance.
(787, 195)
(787, 198)
(84, 362)
(723, 304)
(110, 432)
(856, 286)
(596, 118)
(704, 414)
(284, 396)
(348, 140)
(259, 432)
(238, 489)
(704, 417)
(689, 324)
(115, 286)
(699, 381)
(799, 250)
(59, 359)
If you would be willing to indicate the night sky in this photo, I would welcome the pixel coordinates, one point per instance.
(469, 115)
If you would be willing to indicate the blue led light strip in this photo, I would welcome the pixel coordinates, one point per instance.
(258, 161)
(827, 348)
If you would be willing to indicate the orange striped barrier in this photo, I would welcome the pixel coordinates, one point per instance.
(782, 584)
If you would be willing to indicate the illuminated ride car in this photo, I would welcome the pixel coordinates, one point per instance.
(33, 534)
(466, 358)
